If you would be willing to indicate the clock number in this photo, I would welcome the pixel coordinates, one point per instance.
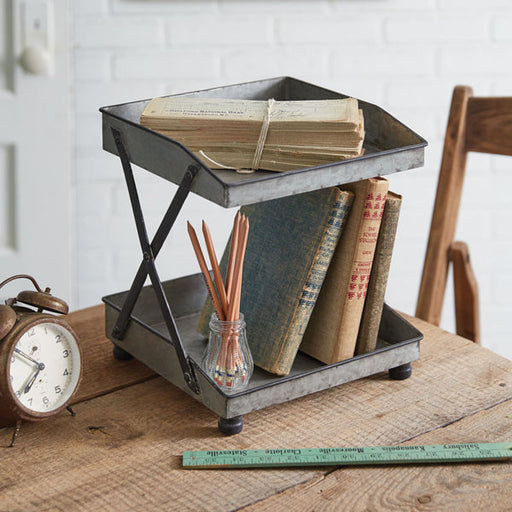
(58, 390)
(58, 338)
(18, 393)
(29, 401)
(66, 372)
(46, 400)
(31, 332)
(65, 353)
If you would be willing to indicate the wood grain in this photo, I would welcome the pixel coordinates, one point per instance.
(467, 313)
(489, 127)
(101, 372)
(438, 488)
(445, 212)
(122, 450)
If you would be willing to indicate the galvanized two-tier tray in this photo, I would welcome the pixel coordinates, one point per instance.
(156, 324)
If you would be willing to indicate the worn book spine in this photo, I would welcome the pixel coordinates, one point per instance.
(372, 312)
(288, 252)
(280, 361)
(331, 334)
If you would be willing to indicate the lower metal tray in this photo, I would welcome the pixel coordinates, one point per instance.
(147, 339)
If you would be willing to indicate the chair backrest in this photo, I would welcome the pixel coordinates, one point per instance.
(480, 124)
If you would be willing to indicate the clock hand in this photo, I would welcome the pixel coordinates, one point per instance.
(17, 350)
(31, 381)
(40, 366)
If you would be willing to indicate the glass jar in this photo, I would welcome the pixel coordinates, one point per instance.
(227, 358)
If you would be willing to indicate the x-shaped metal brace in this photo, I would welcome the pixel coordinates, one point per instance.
(149, 253)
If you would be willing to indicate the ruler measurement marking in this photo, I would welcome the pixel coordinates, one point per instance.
(370, 455)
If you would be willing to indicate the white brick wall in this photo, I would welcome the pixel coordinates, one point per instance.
(406, 56)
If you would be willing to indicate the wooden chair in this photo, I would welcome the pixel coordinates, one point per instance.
(480, 124)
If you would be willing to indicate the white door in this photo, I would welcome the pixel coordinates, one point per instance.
(35, 157)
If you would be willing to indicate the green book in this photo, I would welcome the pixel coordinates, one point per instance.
(374, 303)
(290, 245)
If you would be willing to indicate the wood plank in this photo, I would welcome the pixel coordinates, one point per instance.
(101, 372)
(123, 449)
(486, 487)
(489, 127)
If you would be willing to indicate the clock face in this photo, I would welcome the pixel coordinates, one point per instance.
(44, 367)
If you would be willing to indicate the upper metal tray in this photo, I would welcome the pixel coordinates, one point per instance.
(389, 147)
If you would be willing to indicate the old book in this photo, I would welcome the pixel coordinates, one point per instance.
(228, 133)
(331, 334)
(372, 312)
(290, 246)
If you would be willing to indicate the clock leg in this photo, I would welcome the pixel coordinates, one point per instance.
(120, 354)
(15, 433)
(401, 372)
(231, 426)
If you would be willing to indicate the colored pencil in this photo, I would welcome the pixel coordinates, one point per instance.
(204, 269)
(225, 297)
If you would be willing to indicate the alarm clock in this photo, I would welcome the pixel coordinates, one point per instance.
(40, 356)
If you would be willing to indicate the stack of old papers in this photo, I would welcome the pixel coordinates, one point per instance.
(253, 134)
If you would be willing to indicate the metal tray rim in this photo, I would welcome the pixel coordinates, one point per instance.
(271, 175)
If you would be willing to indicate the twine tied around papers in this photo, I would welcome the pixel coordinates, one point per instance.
(263, 135)
(260, 145)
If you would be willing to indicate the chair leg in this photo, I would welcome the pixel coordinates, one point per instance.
(466, 293)
(446, 208)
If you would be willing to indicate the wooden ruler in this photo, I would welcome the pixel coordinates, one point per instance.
(369, 455)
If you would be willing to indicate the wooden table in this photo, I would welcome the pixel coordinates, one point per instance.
(122, 448)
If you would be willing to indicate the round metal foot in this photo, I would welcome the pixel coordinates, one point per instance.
(401, 372)
(231, 426)
(120, 354)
